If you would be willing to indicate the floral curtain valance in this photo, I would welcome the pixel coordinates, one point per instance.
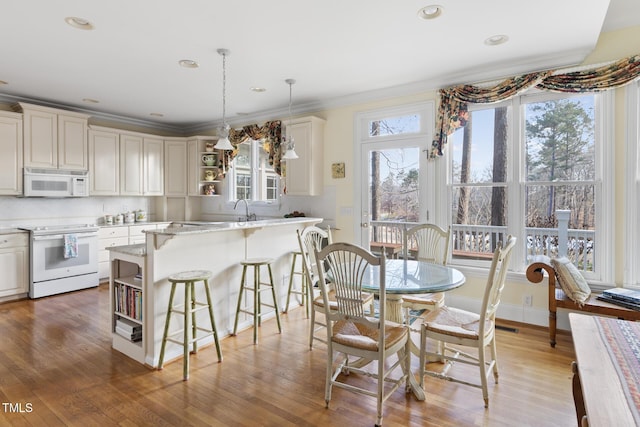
(453, 109)
(271, 135)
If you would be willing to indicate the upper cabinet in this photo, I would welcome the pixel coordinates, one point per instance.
(175, 167)
(141, 165)
(54, 138)
(104, 162)
(11, 149)
(303, 176)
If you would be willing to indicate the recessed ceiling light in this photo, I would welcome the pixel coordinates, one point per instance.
(2, 82)
(430, 12)
(496, 40)
(156, 114)
(188, 63)
(90, 100)
(258, 89)
(79, 23)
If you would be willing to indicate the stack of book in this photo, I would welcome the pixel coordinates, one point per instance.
(623, 297)
(128, 329)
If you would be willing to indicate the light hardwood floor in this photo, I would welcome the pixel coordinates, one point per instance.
(56, 359)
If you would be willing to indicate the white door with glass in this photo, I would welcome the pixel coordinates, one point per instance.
(392, 159)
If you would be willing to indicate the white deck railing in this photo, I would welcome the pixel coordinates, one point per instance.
(479, 242)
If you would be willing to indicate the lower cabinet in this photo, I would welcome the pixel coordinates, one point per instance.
(109, 237)
(14, 264)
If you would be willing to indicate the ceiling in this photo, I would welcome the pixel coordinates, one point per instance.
(338, 51)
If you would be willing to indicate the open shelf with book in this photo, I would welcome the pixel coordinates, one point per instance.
(126, 285)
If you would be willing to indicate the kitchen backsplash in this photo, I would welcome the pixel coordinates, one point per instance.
(17, 211)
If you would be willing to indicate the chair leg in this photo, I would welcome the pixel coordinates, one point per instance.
(312, 326)
(275, 299)
(328, 382)
(257, 320)
(187, 330)
(194, 326)
(494, 357)
(483, 375)
(213, 320)
(166, 326)
(244, 275)
(291, 273)
(423, 354)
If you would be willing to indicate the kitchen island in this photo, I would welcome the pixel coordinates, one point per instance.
(218, 247)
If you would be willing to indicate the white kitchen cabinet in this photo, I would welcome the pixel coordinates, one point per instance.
(72, 142)
(153, 166)
(303, 176)
(193, 168)
(107, 238)
(137, 232)
(14, 264)
(131, 160)
(54, 138)
(175, 167)
(141, 165)
(104, 162)
(11, 149)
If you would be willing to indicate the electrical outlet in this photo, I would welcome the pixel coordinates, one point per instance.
(527, 300)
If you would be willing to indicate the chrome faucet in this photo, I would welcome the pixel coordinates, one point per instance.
(247, 216)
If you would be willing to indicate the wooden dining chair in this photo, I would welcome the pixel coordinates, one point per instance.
(351, 333)
(430, 243)
(460, 328)
(310, 239)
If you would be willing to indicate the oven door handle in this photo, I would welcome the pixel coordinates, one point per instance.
(61, 236)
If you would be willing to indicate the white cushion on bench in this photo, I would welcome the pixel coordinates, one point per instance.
(571, 281)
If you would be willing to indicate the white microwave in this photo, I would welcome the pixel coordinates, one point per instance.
(55, 183)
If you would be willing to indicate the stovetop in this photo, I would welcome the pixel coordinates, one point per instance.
(68, 228)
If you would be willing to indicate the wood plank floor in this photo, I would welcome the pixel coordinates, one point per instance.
(57, 363)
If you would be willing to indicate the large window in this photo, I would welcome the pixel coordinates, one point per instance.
(251, 177)
(521, 167)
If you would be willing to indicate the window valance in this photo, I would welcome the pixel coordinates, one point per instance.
(271, 135)
(453, 108)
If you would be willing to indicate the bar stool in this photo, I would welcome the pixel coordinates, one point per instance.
(258, 288)
(303, 292)
(189, 310)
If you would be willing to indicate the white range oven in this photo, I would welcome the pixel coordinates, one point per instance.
(62, 259)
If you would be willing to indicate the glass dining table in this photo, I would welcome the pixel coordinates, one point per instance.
(403, 277)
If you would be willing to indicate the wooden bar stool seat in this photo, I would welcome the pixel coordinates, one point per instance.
(259, 286)
(188, 310)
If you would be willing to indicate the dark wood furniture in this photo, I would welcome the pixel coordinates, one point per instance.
(558, 299)
(601, 395)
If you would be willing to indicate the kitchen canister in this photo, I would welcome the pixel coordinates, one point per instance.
(108, 219)
(141, 216)
(119, 219)
(129, 217)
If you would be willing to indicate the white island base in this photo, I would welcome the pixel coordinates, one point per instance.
(218, 247)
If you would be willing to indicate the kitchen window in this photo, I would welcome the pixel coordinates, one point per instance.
(251, 177)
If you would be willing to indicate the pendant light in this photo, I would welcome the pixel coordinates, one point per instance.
(290, 152)
(224, 143)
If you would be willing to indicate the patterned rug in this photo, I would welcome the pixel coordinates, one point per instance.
(622, 339)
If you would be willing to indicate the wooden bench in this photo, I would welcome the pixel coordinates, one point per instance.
(558, 299)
